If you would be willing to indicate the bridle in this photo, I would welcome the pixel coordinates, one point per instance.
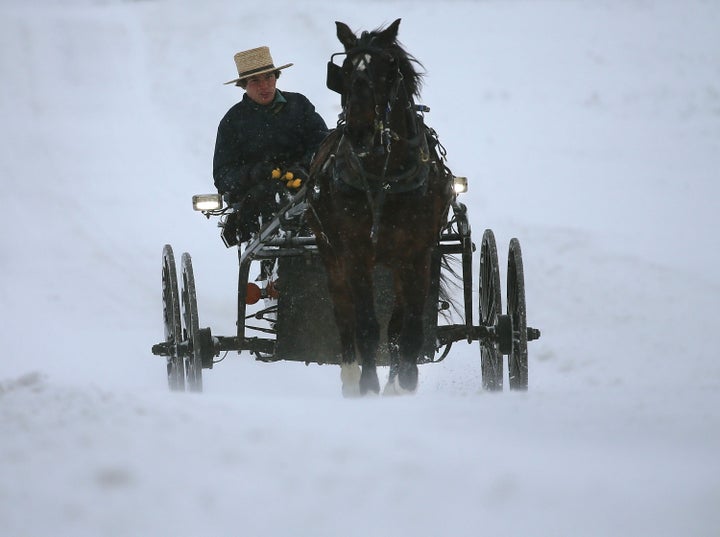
(361, 58)
(385, 100)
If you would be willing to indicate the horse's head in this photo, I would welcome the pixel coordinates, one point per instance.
(377, 76)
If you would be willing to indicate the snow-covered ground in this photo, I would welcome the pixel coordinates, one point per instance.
(589, 129)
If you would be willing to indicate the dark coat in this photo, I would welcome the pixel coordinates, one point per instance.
(284, 134)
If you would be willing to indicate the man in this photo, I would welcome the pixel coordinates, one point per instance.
(266, 141)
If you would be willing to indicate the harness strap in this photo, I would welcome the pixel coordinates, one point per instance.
(358, 178)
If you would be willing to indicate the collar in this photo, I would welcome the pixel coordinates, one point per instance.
(275, 106)
(278, 102)
(279, 98)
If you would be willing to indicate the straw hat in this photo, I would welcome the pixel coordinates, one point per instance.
(254, 62)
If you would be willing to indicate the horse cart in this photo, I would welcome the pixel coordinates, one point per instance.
(356, 265)
(288, 314)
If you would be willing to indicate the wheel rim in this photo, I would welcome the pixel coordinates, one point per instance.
(490, 308)
(518, 358)
(171, 320)
(193, 358)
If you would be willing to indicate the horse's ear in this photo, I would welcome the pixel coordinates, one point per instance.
(389, 34)
(345, 35)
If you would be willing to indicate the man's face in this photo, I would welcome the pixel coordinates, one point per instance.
(261, 88)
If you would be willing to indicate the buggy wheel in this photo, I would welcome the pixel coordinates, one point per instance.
(171, 320)
(193, 358)
(518, 358)
(490, 309)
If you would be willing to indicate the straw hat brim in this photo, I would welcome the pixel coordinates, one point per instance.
(260, 72)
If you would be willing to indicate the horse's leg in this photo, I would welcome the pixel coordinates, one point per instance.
(351, 290)
(367, 329)
(414, 282)
(341, 296)
(394, 328)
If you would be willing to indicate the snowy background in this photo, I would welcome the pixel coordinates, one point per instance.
(589, 129)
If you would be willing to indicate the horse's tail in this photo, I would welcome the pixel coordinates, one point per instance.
(450, 284)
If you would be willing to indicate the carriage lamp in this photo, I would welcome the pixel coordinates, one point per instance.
(460, 185)
(207, 202)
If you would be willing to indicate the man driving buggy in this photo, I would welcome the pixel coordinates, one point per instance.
(264, 143)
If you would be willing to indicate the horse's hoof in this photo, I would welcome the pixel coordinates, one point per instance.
(369, 382)
(393, 388)
(350, 376)
(408, 377)
(350, 392)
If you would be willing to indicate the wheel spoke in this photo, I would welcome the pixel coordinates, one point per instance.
(518, 358)
(171, 320)
(193, 359)
(490, 307)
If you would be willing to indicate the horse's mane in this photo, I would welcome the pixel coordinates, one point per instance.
(412, 77)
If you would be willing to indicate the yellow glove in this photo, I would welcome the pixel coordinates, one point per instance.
(289, 177)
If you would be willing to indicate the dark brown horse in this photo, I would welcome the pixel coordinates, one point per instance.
(378, 194)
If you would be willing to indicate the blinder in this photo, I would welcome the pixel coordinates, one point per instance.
(334, 78)
(335, 73)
